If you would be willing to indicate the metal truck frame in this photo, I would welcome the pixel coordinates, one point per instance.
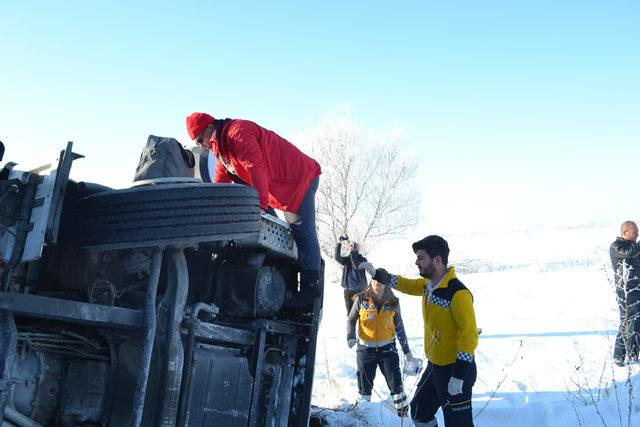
(159, 305)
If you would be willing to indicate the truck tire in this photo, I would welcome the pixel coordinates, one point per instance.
(166, 214)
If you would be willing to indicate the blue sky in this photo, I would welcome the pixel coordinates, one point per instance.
(522, 113)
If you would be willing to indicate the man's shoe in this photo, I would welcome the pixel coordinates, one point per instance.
(618, 362)
(306, 296)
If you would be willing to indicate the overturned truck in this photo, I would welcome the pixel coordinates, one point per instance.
(159, 305)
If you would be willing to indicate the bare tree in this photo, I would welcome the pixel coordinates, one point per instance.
(368, 186)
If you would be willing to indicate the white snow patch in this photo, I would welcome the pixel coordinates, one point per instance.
(546, 305)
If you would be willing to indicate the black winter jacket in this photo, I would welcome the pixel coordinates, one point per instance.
(625, 260)
(350, 270)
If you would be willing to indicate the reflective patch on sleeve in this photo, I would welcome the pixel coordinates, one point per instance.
(393, 282)
(465, 356)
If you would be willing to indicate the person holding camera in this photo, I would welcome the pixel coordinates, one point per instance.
(377, 311)
(353, 279)
(450, 335)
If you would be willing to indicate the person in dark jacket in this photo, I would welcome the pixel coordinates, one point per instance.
(625, 260)
(285, 178)
(377, 311)
(353, 280)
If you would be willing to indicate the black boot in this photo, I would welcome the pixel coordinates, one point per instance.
(309, 290)
(307, 295)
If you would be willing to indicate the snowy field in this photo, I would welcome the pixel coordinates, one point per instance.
(546, 306)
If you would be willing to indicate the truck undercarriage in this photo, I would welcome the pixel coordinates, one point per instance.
(159, 305)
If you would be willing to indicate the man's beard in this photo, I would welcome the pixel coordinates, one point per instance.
(427, 273)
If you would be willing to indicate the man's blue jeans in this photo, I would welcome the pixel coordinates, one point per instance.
(303, 226)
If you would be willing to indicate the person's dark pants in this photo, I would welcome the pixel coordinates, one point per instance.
(628, 338)
(348, 299)
(303, 227)
(431, 394)
(386, 358)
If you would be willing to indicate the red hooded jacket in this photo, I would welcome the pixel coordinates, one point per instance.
(276, 168)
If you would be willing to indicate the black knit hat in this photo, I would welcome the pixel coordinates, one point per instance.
(433, 245)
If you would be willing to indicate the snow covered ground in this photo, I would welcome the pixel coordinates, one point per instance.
(546, 306)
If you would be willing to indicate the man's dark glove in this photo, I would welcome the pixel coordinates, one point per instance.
(382, 276)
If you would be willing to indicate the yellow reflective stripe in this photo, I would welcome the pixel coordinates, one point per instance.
(460, 403)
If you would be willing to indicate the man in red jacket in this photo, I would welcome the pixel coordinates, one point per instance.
(285, 178)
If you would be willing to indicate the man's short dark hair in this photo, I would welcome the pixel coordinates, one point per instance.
(433, 245)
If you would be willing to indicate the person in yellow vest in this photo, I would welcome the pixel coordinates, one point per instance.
(377, 311)
(450, 335)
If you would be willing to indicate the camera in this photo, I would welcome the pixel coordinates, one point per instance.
(344, 237)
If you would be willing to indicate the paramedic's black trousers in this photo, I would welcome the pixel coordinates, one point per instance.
(431, 393)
